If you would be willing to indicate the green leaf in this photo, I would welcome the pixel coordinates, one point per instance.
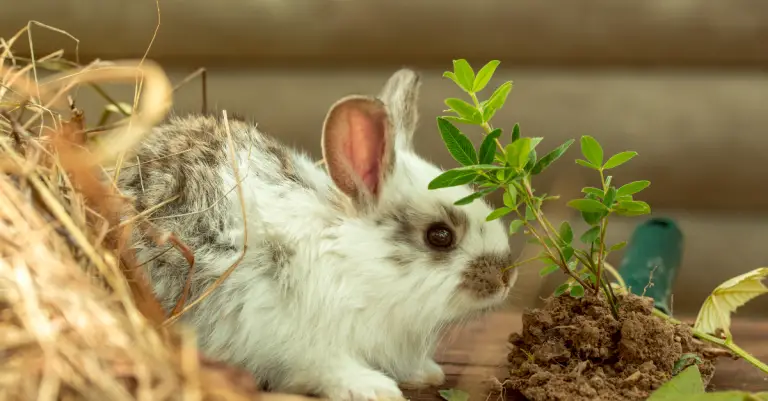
(716, 311)
(452, 178)
(633, 208)
(618, 159)
(547, 270)
(454, 395)
(471, 198)
(592, 218)
(452, 77)
(458, 144)
(509, 200)
(609, 197)
(618, 246)
(632, 188)
(568, 253)
(684, 362)
(590, 235)
(496, 101)
(531, 162)
(515, 226)
(516, 132)
(592, 150)
(480, 167)
(511, 192)
(551, 157)
(634, 205)
(535, 141)
(488, 147)
(577, 291)
(484, 75)
(587, 164)
(464, 74)
(566, 232)
(498, 213)
(588, 276)
(587, 205)
(465, 110)
(459, 120)
(688, 382)
(561, 289)
(594, 191)
(518, 151)
(529, 215)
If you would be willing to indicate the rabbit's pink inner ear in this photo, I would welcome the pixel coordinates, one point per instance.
(365, 148)
(356, 144)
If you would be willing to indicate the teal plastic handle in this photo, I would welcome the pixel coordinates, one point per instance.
(654, 254)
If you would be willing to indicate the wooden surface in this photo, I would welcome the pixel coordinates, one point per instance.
(709, 33)
(472, 356)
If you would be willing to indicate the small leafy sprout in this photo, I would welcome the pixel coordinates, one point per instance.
(454, 395)
(685, 361)
(508, 162)
(598, 204)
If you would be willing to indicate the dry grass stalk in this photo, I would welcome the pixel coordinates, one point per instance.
(77, 319)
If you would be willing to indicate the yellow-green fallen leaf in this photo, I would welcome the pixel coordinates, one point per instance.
(716, 311)
(454, 395)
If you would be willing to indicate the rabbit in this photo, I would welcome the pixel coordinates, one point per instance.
(347, 273)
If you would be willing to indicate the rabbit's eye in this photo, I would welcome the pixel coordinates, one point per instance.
(440, 236)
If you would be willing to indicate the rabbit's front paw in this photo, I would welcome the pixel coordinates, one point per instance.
(363, 384)
(429, 374)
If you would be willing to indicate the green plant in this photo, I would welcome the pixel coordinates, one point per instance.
(715, 314)
(687, 386)
(453, 395)
(511, 168)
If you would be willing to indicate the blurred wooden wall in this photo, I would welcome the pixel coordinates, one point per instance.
(683, 82)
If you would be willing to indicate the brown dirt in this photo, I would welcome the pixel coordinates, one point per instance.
(574, 349)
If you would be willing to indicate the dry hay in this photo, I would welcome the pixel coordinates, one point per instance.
(77, 321)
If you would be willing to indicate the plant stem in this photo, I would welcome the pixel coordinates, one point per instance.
(560, 256)
(557, 258)
(601, 252)
(485, 125)
(615, 274)
(727, 343)
(746, 355)
(522, 262)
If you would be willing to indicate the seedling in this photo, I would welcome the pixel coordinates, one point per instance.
(508, 162)
(511, 168)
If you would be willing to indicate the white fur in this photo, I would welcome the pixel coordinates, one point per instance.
(341, 321)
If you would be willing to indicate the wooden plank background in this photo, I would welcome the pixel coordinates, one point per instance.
(597, 33)
(700, 130)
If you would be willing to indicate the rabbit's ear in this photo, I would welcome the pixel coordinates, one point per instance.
(357, 147)
(401, 95)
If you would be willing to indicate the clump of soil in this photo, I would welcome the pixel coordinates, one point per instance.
(574, 349)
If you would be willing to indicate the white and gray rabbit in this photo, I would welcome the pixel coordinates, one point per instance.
(351, 269)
